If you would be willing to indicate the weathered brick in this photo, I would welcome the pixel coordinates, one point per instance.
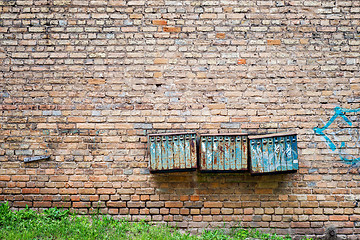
(96, 81)
(20, 178)
(172, 29)
(81, 204)
(42, 204)
(213, 204)
(176, 204)
(59, 178)
(116, 204)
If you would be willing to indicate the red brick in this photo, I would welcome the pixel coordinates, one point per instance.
(81, 204)
(264, 191)
(248, 211)
(20, 178)
(159, 22)
(76, 119)
(96, 81)
(300, 224)
(338, 218)
(158, 74)
(194, 198)
(98, 178)
(145, 197)
(47, 107)
(134, 211)
(172, 29)
(274, 42)
(106, 191)
(135, 198)
(8, 107)
(4, 178)
(30, 190)
(184, 198)
(160, 61)
(69, 191)
(184, 211)
(75, 198)
(27, 107)
(117, 204)
(22, 204)
(241, 61)
(113, 211)
(168, 218)
(61, 204)
(213, 204)
(215, 211)
(220, 35)
(307, 204)
(42, 204)
(59, 178)
(136, 16)
(94, 198)
(174, 204)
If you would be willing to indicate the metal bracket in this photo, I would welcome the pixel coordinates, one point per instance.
(37, 158)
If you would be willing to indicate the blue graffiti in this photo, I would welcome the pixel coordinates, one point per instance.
(339, 112)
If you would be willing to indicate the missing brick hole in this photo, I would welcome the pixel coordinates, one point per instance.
(158, 85)
(330, 233)
(9, 2)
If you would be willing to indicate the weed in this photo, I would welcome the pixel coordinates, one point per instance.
(56, 214)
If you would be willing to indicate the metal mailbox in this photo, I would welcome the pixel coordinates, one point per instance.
(273, 153)
(172, 151)
(224, 152)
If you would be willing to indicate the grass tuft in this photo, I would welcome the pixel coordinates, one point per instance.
(54, 223)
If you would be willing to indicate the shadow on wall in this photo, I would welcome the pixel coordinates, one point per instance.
(216, 198)
(221, 186)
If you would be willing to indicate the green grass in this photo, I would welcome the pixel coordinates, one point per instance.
(54, 223)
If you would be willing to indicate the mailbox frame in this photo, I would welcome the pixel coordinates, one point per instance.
(234, 155)
(166, 155)
(281, 153)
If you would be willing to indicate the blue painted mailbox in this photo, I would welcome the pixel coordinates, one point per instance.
(224, 152)
(273, 153)
(172, 151)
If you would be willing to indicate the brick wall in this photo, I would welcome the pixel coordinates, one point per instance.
(86, 81)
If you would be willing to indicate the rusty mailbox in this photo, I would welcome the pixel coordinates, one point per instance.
(224, 152)
(172, 151)
(273, 153)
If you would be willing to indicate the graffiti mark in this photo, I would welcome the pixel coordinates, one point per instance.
(288, 152)
(342, 135)
(72, 131)
(353, 166)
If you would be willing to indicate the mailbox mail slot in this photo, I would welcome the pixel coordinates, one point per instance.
(223, 152)
(273, 153)
(172, 151)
